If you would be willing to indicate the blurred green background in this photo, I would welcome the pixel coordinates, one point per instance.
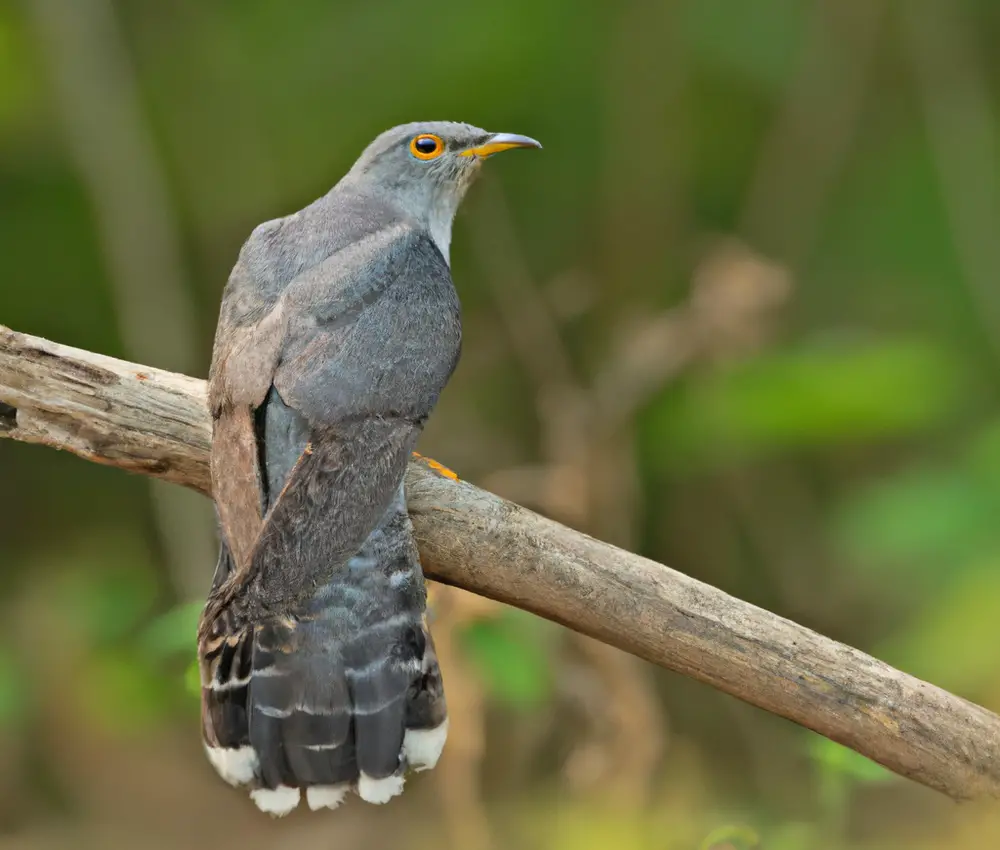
(740, 315)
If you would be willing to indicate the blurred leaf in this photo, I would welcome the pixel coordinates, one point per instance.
(105, 585)
(107, 604)
(172, 633)
(794, 835)
(192, 678)
(921, 520)
(124, 693)
(732, 838)
(509, 653)
(835, 758)
(928, 522)
(813, 397)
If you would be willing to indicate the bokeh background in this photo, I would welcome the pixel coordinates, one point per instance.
(740, 315)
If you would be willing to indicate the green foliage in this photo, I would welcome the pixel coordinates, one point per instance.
(509, 653)
(124, 694)
(927, 514)
(841, 772)
(799, 835)
(106, 605)
(172, 633)
(100, 610)
(732, 838)
(192, 678)
(813, 397)
(835, 759)
(173, 636)
(917, 519)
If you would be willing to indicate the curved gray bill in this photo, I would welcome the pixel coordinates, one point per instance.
(501, 142)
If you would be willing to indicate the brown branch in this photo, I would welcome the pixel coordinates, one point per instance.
(154, 422)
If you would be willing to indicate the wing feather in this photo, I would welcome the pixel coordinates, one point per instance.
(280, 311)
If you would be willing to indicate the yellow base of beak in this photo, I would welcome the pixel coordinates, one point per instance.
(501, 142)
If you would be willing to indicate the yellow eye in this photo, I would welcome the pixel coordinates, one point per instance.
(427, 146)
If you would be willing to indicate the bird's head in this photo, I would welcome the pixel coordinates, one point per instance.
(425, 168)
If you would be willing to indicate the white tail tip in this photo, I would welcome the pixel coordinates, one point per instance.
(423, 747)
(236, 766)
(325, 796)
(276, 801)
(379, 791)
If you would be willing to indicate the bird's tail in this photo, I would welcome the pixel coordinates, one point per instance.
(342, 694)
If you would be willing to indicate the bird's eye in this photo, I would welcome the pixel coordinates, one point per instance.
(426, 146)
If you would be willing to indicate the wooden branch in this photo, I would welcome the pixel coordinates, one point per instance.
(156, 423)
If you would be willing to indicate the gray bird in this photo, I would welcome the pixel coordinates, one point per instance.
(338, 329)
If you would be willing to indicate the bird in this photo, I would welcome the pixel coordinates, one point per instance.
(339, 326)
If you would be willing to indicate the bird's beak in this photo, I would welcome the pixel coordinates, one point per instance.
(501, 142)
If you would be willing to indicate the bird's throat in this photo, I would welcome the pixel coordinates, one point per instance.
(439, 221)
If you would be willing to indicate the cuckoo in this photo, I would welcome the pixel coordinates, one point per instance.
(338, 329)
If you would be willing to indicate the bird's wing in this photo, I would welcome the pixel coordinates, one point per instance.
(247, 344)
(307, 277)
(364, 371)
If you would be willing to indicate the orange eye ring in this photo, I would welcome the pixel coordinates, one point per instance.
(427, 146)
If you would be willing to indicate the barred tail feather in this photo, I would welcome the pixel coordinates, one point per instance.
(343, 694)
(340, 692)
(225, 657)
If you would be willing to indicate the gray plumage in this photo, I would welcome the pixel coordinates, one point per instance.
(339, 327)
